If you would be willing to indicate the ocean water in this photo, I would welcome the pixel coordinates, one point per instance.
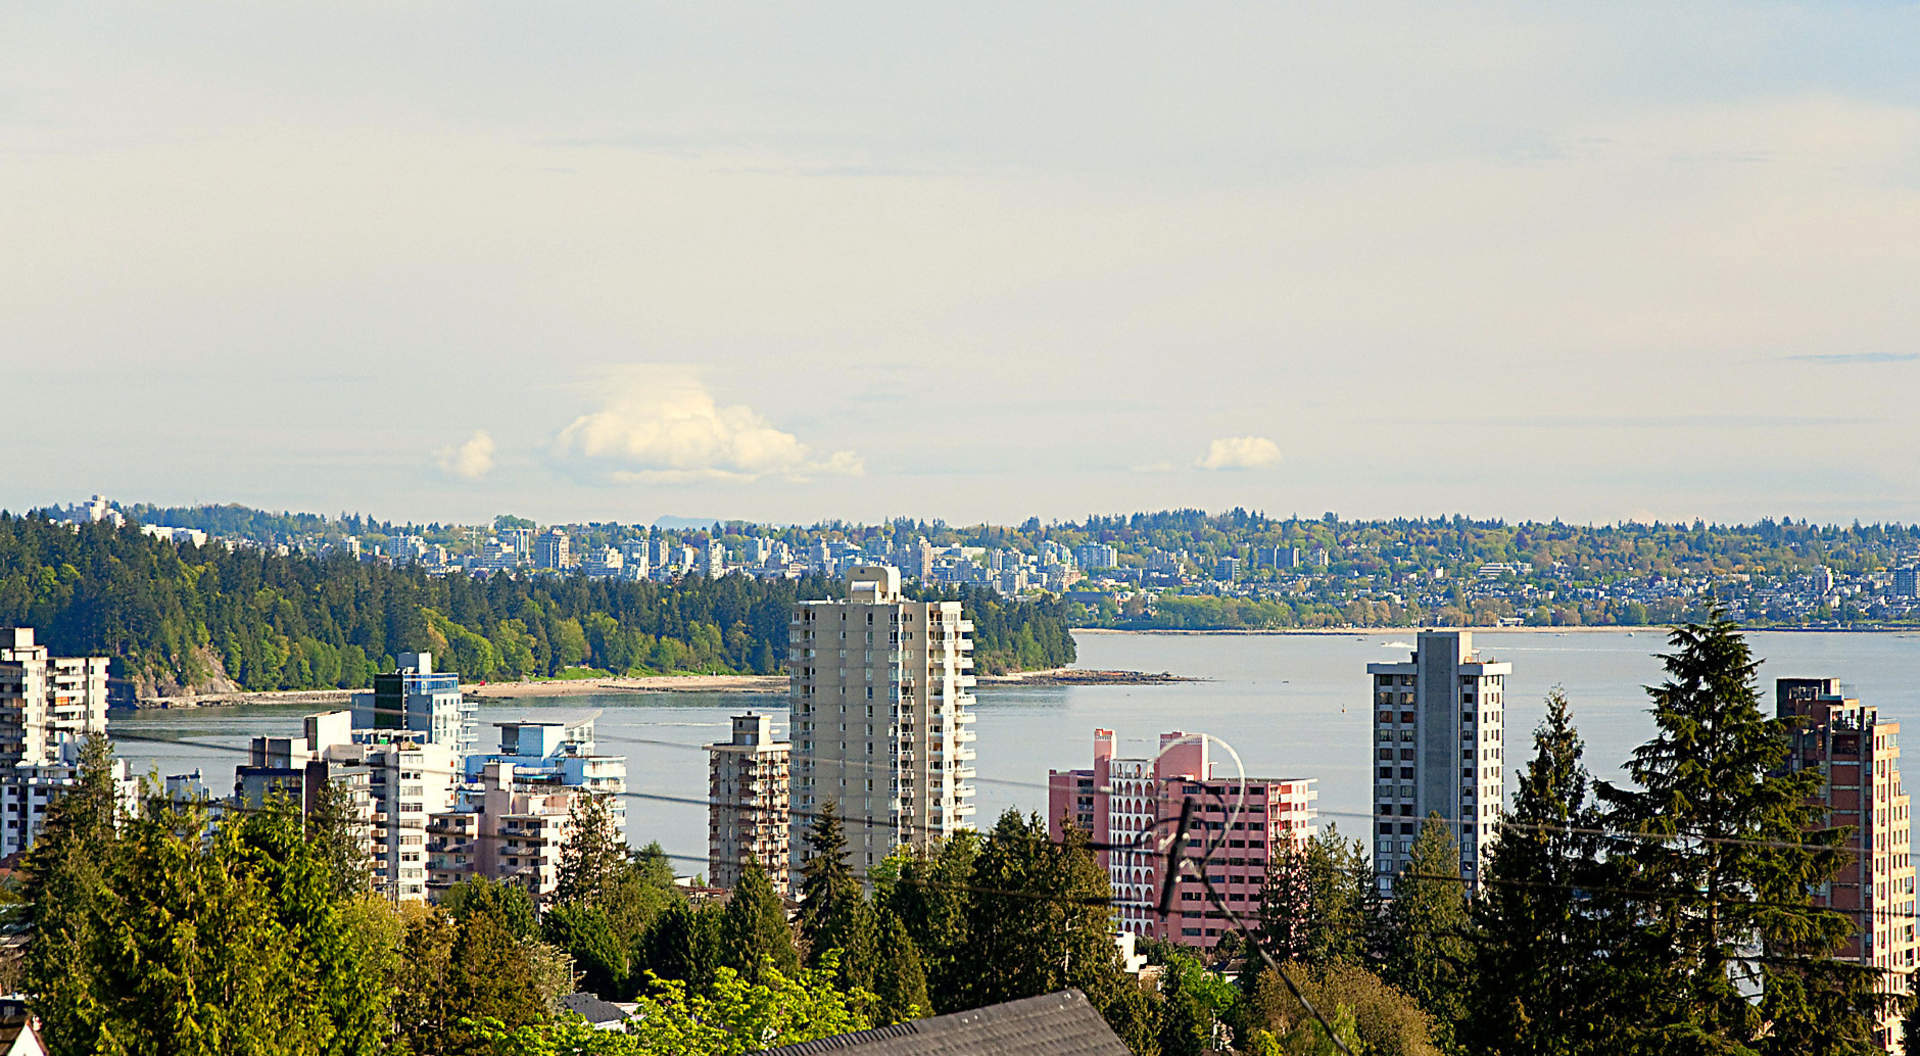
(1290, 706)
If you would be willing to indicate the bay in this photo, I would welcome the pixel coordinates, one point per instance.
(1289, 705)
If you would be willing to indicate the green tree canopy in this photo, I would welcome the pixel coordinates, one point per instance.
(1724, 853)
(754, 933)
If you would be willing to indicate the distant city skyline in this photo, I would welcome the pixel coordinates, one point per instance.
(622, 261)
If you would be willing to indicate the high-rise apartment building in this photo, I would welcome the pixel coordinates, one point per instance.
(1857, 754)
(1437, 739)
(748, 797)
(1906, 582)
(1130, 806)
(552, 549)
(49, 706)
(45, 699)
(881, 709)
(419, 699)
(397, 777)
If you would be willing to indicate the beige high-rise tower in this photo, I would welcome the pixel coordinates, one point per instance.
(882, 716)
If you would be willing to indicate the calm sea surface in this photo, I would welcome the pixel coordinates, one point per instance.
(1291, 705)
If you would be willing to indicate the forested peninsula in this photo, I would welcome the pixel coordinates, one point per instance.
(181, 618)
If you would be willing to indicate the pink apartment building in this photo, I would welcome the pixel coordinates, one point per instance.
(1132, 806)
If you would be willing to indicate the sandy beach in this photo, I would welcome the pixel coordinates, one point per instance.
(576, 687)
(573, 687)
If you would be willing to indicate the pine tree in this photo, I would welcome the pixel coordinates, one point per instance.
(899, 981)
(1426, 924)
(834, 914)
(1038, 918)
(595, 858)
(931, 897)
(1710, 894)
(69, 879)
(1536, 990)
(338, 834)
(754, 933)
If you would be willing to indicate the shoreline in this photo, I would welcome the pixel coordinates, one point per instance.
(579, 687)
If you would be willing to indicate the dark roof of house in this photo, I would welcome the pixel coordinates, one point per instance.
(1062, 1024)
(594, 1009)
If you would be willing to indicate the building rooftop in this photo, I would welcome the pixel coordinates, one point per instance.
(1060, 1024)
(593, 1009)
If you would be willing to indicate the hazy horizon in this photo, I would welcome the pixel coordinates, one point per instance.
(620, 261)
(675, 522)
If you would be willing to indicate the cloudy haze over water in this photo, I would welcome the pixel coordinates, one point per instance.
(622, 260)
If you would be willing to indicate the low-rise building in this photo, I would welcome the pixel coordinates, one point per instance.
(514, 815)
(27, 790)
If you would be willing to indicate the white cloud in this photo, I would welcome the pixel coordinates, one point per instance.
(661, 425)
(471, 460)
(1240, 452)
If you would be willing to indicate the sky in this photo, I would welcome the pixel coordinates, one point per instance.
(617, 261)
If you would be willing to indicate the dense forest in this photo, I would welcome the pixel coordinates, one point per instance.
(174, 616)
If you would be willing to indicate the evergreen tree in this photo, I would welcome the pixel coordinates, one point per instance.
(1536, 990)
(507, 904)
(899, 981)
(930, 895)
(1286, 905)
(1314, 904)
(1038, 918)
(754, 934)
(595, 857)
(831, 901)
(584, 932)
(683, 944)
(1426, 934)
(68, 891)
(339, 836)
(174, 940)
(1720, 948)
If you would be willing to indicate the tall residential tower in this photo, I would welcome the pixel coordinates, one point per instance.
(1857, 754)
(748, 797)
(1437, 750)
(882, 715)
